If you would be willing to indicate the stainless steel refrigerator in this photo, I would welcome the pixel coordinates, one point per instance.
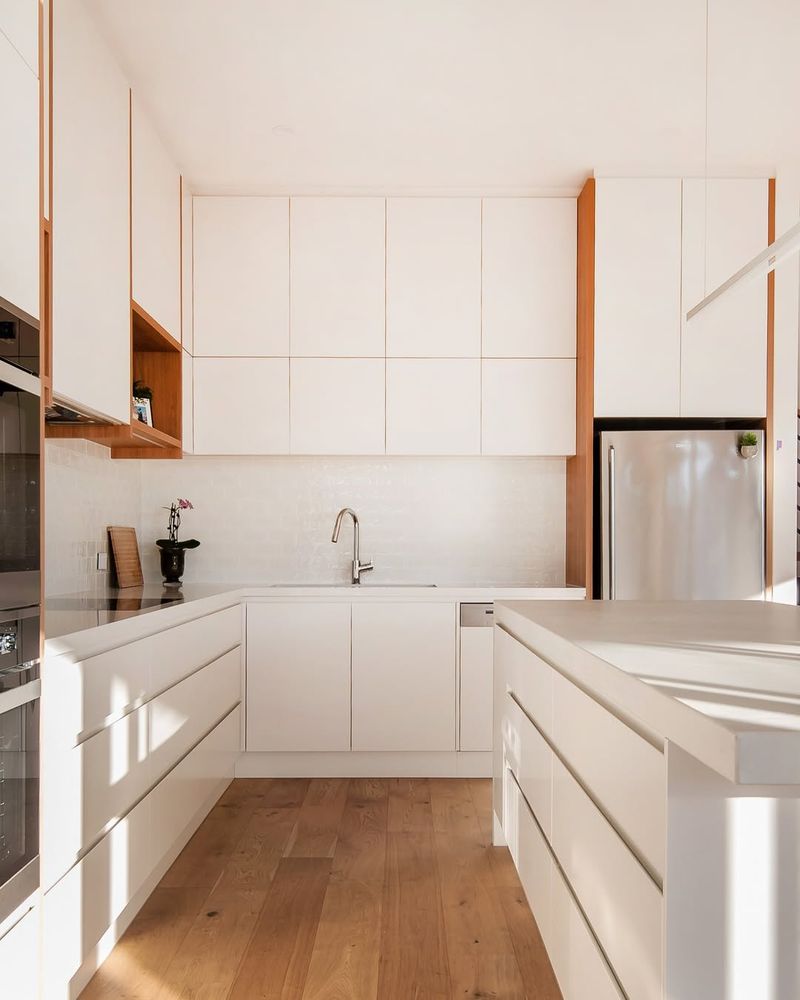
(681, 515)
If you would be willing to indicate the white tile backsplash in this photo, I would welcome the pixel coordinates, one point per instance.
(467, 521)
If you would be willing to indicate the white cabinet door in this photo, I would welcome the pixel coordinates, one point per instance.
(724, 348)
(156, 224)
(637, 298)
(433, 277)
(241, 277)
(19, 958)
(187, 271)
(404, 676)
(433, 406)
(529, 274)
(19, 22)
(19, 181)
(528, 407)
(91, 227)
(477, 657)
(241, 406)
(298, 676)
(338, 277)
(187, 402)
(337, 406)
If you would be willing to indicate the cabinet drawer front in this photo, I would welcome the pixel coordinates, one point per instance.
(115, 681)
(625, 774)
(477, 645)
(528, 677)
(531, 855)
(19, 958)
(621, 901)
(530, 759)
(578, 962)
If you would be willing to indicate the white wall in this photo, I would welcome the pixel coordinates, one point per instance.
(85, 492)
(426, 520)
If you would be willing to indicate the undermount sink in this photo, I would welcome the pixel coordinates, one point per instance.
(349, 586)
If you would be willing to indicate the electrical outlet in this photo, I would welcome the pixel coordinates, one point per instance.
(102, 562)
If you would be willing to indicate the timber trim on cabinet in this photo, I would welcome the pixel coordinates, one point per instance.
(769, 458)
(579, 467)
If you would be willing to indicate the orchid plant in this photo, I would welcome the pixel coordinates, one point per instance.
(175, 509)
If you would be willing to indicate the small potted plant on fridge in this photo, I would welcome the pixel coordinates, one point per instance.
(748, 444)
(173, 552)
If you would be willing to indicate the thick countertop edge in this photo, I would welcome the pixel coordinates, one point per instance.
(94, 639)
(741, 757)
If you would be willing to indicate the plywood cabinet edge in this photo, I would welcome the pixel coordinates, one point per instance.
(579, 467)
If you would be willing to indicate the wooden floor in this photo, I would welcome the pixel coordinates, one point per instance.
(336, 889)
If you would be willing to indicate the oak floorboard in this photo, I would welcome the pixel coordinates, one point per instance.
(276, 963)
(203, 860)
(534, 965)
(360, 853)
(135, 968)
(409, 805)
(255, 859)
(205, 966)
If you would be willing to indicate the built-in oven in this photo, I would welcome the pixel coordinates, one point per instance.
(19, 338)
(20, 493)
(20, 691)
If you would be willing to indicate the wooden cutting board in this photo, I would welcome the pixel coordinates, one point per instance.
(125, 553)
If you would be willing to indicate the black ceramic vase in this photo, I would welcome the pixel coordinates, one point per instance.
(173, 559)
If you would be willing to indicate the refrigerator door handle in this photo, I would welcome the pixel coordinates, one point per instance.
(612, 547)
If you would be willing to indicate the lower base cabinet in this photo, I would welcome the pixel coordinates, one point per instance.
(298, 676)
(20, 958)
(404, 676)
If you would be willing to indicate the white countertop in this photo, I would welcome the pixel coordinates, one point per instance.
(80, 625)
(719, 678)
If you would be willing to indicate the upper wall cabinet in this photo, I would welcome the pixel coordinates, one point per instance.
(724, 348)
(155, 219)
(19, 22)
(241, 277)
(19, 176)
(637, 298)
(529, 264)
(338, 279)
(187, 270)
(433, 277)
(91, 232)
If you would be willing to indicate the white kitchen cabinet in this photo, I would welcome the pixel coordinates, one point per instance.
(404, 676)
(187, 402)
(187, 272)
(724, 348)
(338, 277)
(528, 407)
(241, 277)
(433, 277)
(637, 333)
(91, 227)
(19, 181)
(475, 677)
(156, 224)
(241, 406)
(337, 406)
(19, 22)
(433, 406)
(20, 958)
(529, 277)
(298, 676)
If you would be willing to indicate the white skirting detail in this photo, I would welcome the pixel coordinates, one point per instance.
(364, 764)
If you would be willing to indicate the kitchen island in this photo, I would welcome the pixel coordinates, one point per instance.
(647, 781)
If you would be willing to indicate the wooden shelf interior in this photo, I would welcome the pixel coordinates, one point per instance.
(156, 361)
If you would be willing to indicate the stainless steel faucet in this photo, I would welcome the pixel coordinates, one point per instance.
(358, 566)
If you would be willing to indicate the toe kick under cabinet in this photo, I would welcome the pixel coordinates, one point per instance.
(139, 741)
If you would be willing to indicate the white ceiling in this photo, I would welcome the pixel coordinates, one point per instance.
(456, 95)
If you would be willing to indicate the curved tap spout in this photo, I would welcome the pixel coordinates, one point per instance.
(358, 566)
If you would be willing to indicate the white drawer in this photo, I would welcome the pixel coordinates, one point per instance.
(531, 855)
(527, 676)
(19, 959)
(90, 786)
(84, 696)
(625, 774)
(579, 965)
(530, 758)
(621, 901)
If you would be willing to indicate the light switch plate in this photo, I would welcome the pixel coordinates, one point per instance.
(102, 562)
